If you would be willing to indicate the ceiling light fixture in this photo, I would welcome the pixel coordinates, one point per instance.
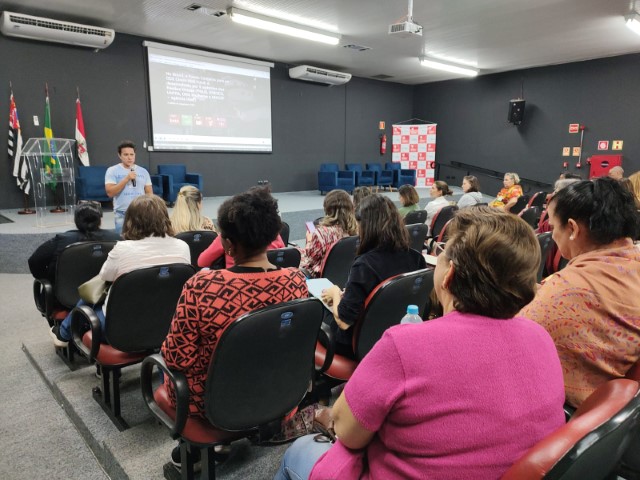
(633, 21)
(448, 67)
(282, 26)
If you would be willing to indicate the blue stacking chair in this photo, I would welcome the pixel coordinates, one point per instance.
(384, 178)
(401, 176)
(330, 177)
(364, 178)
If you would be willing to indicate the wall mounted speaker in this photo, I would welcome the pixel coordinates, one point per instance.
(516, 111)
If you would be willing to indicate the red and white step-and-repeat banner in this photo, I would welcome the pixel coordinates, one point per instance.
(414, 146)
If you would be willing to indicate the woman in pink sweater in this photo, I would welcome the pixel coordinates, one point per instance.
(462, 396)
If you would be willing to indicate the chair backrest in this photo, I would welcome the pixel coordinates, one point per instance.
(387, 304)
(177, 171)
(537, 200)
(545, 241)
(329, 167)
(337, 262)
(520, 204)
(76, 264)
(392, 166)
(141, 305)
(375, 167)
(443, 236)
(417, 235)
(198, 241)
(591, 443)
(284, 257)
(417, 216)
(284, 233)
(353, 167)
(441, 217)
(530, 215)
(263, 365)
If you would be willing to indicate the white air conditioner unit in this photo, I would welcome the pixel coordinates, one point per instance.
(319, 75)
(48, 30)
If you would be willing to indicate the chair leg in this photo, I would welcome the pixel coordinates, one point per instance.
(208, 463)
(109, 396)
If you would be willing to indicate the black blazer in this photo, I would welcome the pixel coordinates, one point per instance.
(42, 263)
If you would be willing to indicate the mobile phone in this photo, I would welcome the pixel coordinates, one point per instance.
(311, 227)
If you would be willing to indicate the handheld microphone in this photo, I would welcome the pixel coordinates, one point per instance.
(133, 181)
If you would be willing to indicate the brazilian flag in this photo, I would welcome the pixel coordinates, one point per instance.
(49, 160)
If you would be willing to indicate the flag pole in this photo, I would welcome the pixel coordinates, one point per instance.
(56, 197)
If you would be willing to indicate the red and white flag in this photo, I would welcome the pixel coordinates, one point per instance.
(20, 166)
(81, 142)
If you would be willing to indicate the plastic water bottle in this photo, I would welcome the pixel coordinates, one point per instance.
(411, 316)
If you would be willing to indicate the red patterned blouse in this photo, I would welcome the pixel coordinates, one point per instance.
(209, 303)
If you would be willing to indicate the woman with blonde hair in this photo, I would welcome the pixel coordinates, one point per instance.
(508, 196)
(339, 221)
(187, 213)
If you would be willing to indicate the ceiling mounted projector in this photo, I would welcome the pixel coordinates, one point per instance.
(406, 28)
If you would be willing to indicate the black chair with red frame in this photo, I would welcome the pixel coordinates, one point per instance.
(384, 307)
(139, 311)
(337, 262)
(591, 443)
(531, 216)
(260, 371)
(284, 257)
(440, 219)
(545, 241)
(198, 241)
(538, 199)
(520, 204)
(630, 465)
(417, 235)
(76, 264)
(417, 216)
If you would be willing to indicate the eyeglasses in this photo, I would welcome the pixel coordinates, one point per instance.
(438, 248)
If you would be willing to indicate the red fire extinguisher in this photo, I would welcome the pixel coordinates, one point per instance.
(383, 144)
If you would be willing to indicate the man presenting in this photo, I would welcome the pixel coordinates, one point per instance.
(126, 181)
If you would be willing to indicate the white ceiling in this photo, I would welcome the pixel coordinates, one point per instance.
(496, 35)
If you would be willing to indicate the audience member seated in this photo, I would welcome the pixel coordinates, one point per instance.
(591, 307)
(339, 221)
(383, 252)
(148, 241)
(216, 250)
(248, 223)
(187, 213)
(617, 173)
(359, 193)
(461, 396)
(438, 191)
(409, 199)
(471, 189)
(88, 218)
(635, 185)
(508, 196)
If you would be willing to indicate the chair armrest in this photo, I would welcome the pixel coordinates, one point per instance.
(167, 182)
(325, 337)
(181, 388)
(194, 178)
(43, 296)
(347, 174)
(327, 177)
(79, 316)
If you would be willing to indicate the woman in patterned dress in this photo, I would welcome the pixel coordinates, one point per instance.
(591, 307)
(508, 196)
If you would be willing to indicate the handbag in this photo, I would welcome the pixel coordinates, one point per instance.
(323, 426)
(94, 291)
